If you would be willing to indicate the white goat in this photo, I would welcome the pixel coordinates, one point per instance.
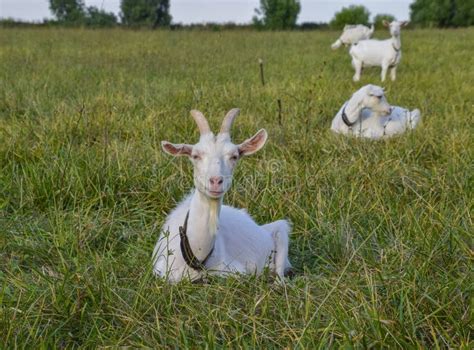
(380, 53)
(368, 114)
(201, 235)
(353, 33)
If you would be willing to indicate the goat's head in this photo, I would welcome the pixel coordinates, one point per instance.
(214, 157)
(373, 97)
(395, 27)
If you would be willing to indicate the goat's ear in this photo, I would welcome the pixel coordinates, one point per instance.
(253, 144)
(404, 23)
(385, 23)
(177, 149)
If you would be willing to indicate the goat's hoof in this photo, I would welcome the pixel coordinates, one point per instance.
(289, 273)
(201, 281)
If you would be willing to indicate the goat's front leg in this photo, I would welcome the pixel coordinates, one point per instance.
(384, 72)
(393, 73)
(280, 230)
(358, 68)
(414, 118)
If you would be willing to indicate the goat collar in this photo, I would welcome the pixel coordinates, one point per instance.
(191, 260)
(345, 119)
(396, 50)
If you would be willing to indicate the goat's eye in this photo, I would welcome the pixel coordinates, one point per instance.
(234, 157)
(196, 156)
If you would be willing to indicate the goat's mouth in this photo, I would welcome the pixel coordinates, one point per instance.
(215, 194)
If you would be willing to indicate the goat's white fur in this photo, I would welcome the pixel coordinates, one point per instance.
(381, 53)
(353, 33)
(240, 244)
(372, 116)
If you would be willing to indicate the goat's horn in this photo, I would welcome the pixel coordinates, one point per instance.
(228, 120)
(201, 122)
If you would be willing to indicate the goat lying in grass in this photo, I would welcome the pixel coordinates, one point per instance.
(380, 53)
(201, 235)
(368, 114)
(352, 34)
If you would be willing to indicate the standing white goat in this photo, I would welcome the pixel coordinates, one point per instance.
(353, 33)
(368, 114)
(201, 235)
(380, 53)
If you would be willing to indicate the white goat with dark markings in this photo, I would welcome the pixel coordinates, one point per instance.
(368, 114)
(201, 235)
(352, 34)
(380, 53)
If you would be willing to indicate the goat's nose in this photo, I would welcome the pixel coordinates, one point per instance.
(216, 180)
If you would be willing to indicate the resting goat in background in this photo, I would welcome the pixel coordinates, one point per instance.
(353, 33)
(368, 114)
(201, 235)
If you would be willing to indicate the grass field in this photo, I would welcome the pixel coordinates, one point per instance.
(382, 231)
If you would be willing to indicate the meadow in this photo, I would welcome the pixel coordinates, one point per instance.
(382, 238)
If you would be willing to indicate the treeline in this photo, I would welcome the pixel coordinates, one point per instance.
(209, 26)
(271, 15)
(423, 13)
(442, 13)
(134, 13)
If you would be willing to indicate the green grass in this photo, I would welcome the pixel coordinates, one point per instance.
(382, 231)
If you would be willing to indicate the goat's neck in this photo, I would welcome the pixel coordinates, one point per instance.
(396, 42)
(353, 109)
(202, 223)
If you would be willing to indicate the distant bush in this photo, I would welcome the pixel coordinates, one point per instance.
(211, 26)
(75, 13)
(313, 25)
(13, 23)
(350, 15)
(99, 18)
(68, 11)
(378, 20)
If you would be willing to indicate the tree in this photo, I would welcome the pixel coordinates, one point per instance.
(378, 20)
(75, 12)
(68, 11)
(163, 17)
(442, 13)
(464, 13)
(145, 12)
(430, 13)
(99, 18)
(277, 14)
(350, 15)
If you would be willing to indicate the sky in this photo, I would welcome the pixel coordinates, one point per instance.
(197, 11)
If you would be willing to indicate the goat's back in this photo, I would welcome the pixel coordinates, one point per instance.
(372, 51)
(354, 34)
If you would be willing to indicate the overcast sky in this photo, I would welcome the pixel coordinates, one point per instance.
(194, 11)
